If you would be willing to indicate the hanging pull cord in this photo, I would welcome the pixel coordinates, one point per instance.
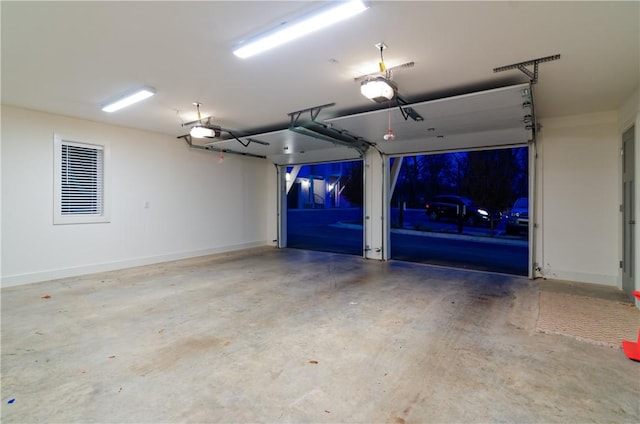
(389, 136)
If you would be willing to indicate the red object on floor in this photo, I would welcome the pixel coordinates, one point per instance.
(632, 349)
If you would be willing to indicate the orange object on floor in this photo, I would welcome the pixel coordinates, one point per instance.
(632, 349)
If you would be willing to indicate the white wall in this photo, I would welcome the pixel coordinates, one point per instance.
(578, 216)
(196, 205)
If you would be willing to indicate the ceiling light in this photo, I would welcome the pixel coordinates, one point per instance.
(298, 28)
(198, 131)
(379, 89)
(129, 98)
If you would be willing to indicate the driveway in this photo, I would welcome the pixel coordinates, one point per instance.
(419, 240)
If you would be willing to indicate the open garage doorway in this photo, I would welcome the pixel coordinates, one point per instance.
(324, 207)
(466, 209)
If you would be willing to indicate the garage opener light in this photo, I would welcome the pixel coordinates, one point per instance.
(129, 98)
(199, 130)
(298, 28)
(379, 89)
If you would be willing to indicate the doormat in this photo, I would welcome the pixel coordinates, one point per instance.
(591, 320)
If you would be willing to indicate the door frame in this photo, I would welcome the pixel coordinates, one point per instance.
(628, 211)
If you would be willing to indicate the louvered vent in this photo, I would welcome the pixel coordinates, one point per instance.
(81, 180)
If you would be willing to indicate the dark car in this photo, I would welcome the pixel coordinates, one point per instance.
(449, 206)
(518, 219)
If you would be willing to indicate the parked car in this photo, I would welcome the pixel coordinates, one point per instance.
(449, 206)
(518, 219)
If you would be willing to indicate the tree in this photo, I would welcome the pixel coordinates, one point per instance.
(494, 178)
(352, 184)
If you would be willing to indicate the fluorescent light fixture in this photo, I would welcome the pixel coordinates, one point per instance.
(198, 131)
(378, 89)
(129, 98)
(298, 28)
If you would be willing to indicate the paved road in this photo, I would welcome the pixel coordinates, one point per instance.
(333, 230)
(315, 229)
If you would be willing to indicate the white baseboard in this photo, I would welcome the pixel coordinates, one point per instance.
(34, 277)
(580, 277)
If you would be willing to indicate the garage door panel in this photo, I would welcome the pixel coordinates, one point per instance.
(316, 156)
(477, 119)
(468, 141)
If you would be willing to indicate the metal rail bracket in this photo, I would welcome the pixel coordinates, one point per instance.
(522, 66)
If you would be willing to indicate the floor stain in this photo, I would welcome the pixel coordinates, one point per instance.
(178, 351)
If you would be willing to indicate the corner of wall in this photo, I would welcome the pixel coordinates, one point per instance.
(54, 274)
(629, 112)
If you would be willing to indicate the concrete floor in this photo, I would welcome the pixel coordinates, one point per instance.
(295, 336)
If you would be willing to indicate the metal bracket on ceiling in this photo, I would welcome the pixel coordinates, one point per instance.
(313, 113)
(253, 140)
(328, 133)
(189, 140)
(407, 111)
(533, 75)
(219, 129)
(320, 131)
(249, 140)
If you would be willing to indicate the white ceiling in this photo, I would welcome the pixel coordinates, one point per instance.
(69, 57)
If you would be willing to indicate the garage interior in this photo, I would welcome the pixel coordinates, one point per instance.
(180, 301)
